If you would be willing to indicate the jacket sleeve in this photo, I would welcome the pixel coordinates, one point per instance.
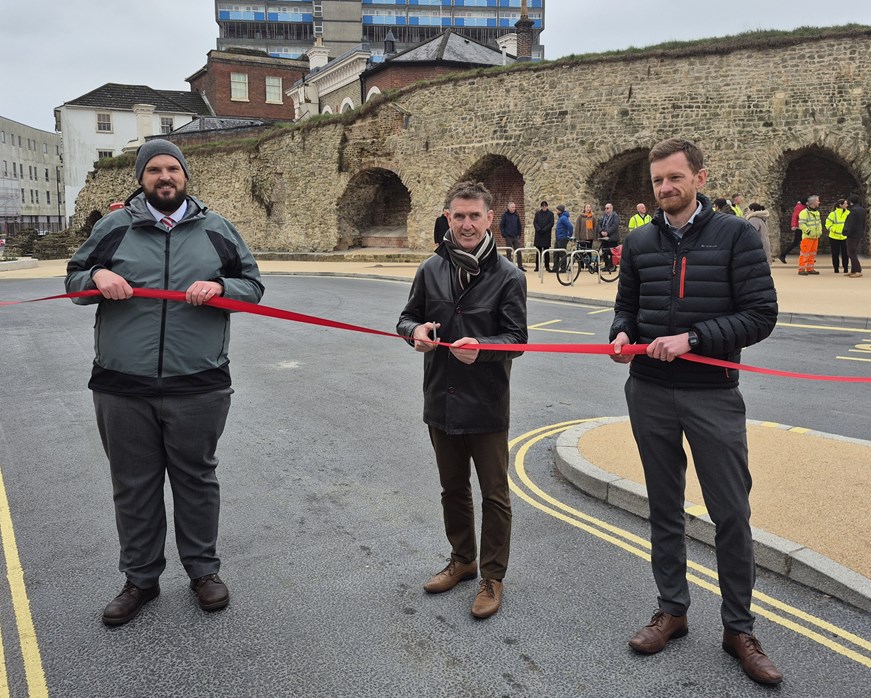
(753, 298)
(627, 304)
(415, 308)
(94, 254)
(511, 321)
(241, 279)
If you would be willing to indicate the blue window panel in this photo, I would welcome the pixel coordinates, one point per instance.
(414, 21)
(223, 14)
(400, 21)
(446, 21)
(491, 22)
(260, 15)
(459, 3)
(535, 4)
(459, 22)
(367, 19)
(446, 3)
(504, 23)
(536, 23)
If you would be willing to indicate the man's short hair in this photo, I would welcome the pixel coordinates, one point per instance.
(854, 199)
(543, 203)
(667, 148)
(469, 190)
(813, 197)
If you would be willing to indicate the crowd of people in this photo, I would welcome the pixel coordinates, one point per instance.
(844, 227)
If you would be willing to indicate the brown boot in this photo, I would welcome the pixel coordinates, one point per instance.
(125, 607)
(654, 636)
(755, 663)
(212, 593)
(488, 600)
(450, 576)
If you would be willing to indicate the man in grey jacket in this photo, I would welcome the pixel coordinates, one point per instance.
(161, 379)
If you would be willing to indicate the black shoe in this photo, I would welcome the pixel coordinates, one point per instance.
(212, 593)
(125, 607)
(782, 259)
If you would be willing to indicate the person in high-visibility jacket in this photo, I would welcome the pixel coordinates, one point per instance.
(640, 218)
(735, 203)
(837, 239)
(811, 230)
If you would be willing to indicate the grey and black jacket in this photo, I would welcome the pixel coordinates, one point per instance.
(460, 398)
(714, 280)
(152, 347)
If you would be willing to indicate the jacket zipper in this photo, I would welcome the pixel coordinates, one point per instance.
(163, 308)
(683, 277)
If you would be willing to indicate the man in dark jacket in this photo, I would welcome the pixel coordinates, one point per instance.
(854, 229)
(543, 226)
(608, 233)
(469, 294)
(440, 228)
(161, 377)
(694, 282)
(511, 227)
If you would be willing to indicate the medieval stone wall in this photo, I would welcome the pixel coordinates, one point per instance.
(576, 131)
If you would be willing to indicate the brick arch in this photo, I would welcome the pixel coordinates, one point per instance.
(373, 210)
(506, 183)
(624, 181)
(814, 169)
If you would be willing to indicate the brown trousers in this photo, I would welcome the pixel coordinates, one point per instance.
(489, 452)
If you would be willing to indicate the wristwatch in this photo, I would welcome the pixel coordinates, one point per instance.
(693, 339)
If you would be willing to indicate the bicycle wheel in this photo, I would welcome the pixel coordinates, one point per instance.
(609, 274)
(567, 274)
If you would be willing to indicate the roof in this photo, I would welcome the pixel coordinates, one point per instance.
(123, 97)
(219, 123)
(451, 48)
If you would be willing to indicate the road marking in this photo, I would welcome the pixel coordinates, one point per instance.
(823, 327)
(26, 633)
(603, 310)
(640, 547)
(851, 358)
(541, 328)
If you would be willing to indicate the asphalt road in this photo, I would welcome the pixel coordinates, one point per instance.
(331, 522)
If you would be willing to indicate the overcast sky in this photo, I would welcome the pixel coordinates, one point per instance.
(55, 52)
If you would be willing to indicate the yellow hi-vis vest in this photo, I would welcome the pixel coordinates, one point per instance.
(809, 222)
(835, 223)
(638, 220)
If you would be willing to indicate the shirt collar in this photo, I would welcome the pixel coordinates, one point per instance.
(176, 215)
(680, 231)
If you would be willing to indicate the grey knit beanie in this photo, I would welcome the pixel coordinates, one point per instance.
(159, 146)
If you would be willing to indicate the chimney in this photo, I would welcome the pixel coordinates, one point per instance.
(144, 121)
(524, 27)
(318, 55)
(389, 44)
(508, 45)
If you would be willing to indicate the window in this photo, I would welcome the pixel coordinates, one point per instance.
(46, 175)
(36, 193)
(48, 197)
(166, 124)
(273, 91)
(2, 136)
(239, 87)
(45, 148)
(22, 197)
(6, 168)
(104, 154)
(104, 122)
(15, 169)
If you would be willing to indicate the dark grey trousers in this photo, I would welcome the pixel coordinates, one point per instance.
(714, 422)
(144, 439)
(489, 452)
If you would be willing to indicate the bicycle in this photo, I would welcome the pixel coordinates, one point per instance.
(577, 258)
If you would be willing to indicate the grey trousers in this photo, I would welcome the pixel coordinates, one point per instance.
(714, 422)
(146, 438)
(454, 454)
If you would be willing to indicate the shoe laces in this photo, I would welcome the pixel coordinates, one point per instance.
(487, 588)
(751, 643)
(658, 618)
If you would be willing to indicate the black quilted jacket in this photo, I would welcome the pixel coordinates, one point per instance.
(715, 280)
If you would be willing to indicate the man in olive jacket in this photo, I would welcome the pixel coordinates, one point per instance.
(468, 294)
(694, 281)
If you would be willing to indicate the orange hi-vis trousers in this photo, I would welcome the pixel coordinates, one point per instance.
(808, 254)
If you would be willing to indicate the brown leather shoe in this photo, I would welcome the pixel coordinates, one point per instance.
(755, 663)
(489, 598)
(125, 607)
(450, 576)
(212, 593)
(654, 636)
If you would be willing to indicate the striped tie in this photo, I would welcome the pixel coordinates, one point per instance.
(168, 222)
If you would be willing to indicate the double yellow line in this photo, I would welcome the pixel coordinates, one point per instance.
(794, 619)
(21, 605)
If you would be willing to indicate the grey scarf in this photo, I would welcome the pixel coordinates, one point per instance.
(468, 264)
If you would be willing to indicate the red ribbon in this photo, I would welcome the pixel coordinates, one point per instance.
(602, 349)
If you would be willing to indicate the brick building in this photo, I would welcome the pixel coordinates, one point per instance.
(248, 84)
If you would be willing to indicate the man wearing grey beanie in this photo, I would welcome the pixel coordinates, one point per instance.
(161, 379)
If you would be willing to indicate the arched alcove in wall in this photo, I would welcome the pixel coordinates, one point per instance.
(815, 170)
(373, 211)
(506, 184)
(623, 181)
